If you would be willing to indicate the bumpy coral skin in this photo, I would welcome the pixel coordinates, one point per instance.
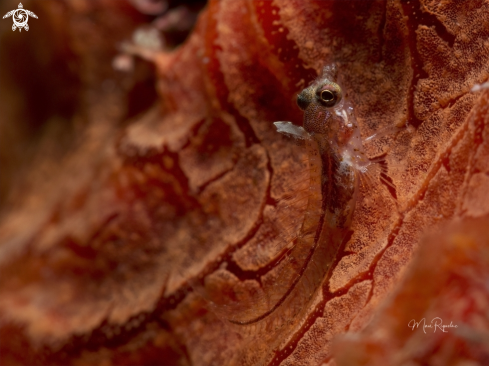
(101, 259)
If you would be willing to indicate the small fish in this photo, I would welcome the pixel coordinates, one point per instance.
(338, 166)
(329, 120)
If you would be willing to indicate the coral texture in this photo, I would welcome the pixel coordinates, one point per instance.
(130, 198)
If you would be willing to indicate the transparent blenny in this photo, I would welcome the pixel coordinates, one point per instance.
(337, 165)
(330, 122)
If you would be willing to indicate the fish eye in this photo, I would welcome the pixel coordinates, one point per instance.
(327, 96)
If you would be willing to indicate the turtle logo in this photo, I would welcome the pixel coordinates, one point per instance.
(20, 17)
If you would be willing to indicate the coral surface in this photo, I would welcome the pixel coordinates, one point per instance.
(133, 190)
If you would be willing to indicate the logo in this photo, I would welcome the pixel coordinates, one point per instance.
(436, 323)
(20, 17)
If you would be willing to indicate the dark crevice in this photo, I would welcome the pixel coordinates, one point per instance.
(256, 275)
(445, 161)
(285, 295)
(368, 274)
(417, 198)
(178, 34)
(381, 31)
(183, 201)
(411, 10)
(241, 122)
(113, 335)
(296, 281)
(213, 70)
(416, 16)
(88, 251)
(243, 274)
(226, 257)
(194, 131)
(214, 179)
(451, 102)
(142, 93)
(219, 132)
(244, 126)
(359, 278)
(109, 335)
(175, 19)
(327, 165)
(269, 199)
(390, 241)
(268, 16)
(289, 348)
(423, 16)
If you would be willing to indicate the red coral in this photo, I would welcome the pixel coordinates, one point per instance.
(102, 258)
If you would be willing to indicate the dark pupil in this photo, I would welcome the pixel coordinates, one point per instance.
(327, 95)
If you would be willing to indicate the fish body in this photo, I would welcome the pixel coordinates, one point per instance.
(330, 121)
(336, 163)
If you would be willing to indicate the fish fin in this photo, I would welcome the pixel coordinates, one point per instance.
(383, 132)
(378, 172)
(369, 175)
(291, 130)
